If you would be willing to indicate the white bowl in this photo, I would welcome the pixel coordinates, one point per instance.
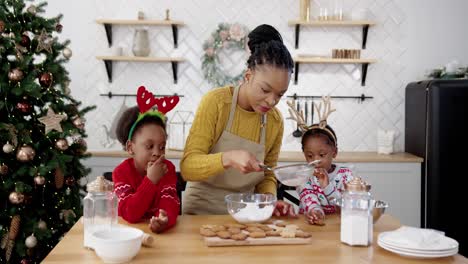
(250, 207)
(118, 244)
(378, 208)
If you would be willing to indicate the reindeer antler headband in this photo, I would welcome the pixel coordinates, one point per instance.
(146, 101)
(298, 116)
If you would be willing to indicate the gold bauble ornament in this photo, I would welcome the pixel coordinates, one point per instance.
(61, 144)
(67, 53)
(16, 198)
(3, 169)
(25, 154)
(8, 148)
(31, 241)
(42, 225)
(15, 75)
(32, 9)
(39, 180)
(78, 122)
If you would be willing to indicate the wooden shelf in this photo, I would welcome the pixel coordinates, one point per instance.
(109, 22)
(332, 23)
(108, 60)
(364, 64)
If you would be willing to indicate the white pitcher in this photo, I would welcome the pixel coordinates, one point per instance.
(141, 47)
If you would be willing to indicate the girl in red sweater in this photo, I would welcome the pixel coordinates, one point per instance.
(146, 183)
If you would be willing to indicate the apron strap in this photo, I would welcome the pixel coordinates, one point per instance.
(233, 111)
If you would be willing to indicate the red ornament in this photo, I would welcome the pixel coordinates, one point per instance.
(24, 106)
(70, 181)
(58, 28)
(2, 26)
(45, 79)
(25, 41)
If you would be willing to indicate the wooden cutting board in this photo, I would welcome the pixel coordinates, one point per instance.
(219, 242)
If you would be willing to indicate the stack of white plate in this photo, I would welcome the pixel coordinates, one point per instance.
(417, 242)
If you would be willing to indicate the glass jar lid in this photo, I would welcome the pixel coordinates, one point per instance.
(357, 185)
(100, 185)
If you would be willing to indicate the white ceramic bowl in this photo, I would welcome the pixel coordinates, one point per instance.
(377, 211)
(118, 244)
(250, 207)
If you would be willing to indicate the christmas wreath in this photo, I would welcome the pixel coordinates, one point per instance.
(229, 36)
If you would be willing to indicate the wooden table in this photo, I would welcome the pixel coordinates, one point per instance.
(183, 244)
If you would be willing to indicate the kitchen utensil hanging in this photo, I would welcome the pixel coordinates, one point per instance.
(297, 132)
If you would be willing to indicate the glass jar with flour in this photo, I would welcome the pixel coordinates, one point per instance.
(356, 214)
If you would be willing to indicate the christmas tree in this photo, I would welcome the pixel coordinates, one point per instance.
(41, 135)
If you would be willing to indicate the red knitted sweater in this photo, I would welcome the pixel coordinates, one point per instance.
(140, 199)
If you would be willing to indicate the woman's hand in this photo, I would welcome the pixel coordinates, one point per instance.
(322, 176)
(241, 160)
(158, 224)
(284, 209)
(156, 170)
(315, 217)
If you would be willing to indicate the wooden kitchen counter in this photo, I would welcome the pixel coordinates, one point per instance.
(183, 244)
(294, 156)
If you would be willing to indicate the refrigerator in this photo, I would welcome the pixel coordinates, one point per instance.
(436, 129)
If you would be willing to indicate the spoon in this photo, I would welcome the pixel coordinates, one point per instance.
(297, 132)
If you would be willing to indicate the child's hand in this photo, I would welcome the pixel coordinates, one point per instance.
(284, 209)
(156, 170)
(315, 217)
(158, 224)
(322, 176)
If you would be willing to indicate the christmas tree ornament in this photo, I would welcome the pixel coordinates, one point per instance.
(82, 146)
(2, 26)
(39, 180)
(78, 122)
(67, 215)
(3, 169)
(44, 42)
(4, 242)
(31, 241)
(58, 28)
(25, 153)
(59, 178)
(11, 35)
(32, 9)
(45, 79)
(68, 191)
(12, 234)
(51, 121)
(24, 106)
(25, 261)
(42, 225)
(61, 144)
(19, 51)
(15, 75)
(70, 181)
(8, 148)
(67, 53)
(16, 198)
(25, 41)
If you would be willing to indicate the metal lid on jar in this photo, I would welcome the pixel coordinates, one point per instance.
(100, 185)
(357, 185)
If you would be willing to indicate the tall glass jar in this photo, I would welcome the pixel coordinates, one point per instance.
(141, 45)
(99, 208)
(356, 214)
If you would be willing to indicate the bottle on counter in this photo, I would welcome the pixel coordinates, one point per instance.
(356, 214)
(99, 208)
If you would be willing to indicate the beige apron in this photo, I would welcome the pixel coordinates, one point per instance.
(207, 197)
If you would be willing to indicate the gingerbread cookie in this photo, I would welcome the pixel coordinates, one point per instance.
(302, 234)
(240, 236)
(234, 230)
(239, 226)
(223, 234)
(206, 232)
(257, 234)
(273, 233)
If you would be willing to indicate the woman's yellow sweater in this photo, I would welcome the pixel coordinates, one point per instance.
(210, 120)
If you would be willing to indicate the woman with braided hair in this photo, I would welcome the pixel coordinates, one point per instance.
(236, 129)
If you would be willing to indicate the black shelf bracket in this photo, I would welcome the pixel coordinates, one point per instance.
(298, 30)
(108, 28)
(296, 72)
(108, 64)
(174, 70)
(175, 34)
(364, 73)
(365, 30)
